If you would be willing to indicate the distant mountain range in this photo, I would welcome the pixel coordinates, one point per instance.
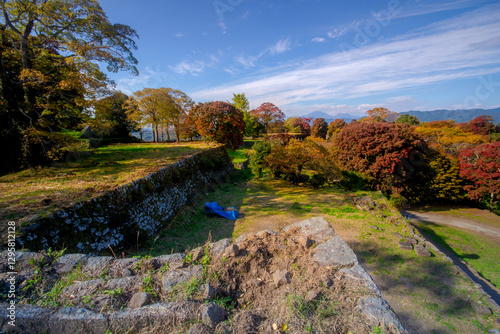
(424, 116)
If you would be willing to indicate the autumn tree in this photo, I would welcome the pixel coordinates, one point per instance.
(219, 122)
(50, 50)
(269, 116)
(335, 127)
(152, 106)
(481, 125)
(177, 110)
(481, 165)
(302, 123)
(111, 111)
(408, 119)
(375, 149)
(289, 125)
(319, 128)
(382, 115)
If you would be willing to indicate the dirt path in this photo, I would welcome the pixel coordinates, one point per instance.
(464, 223)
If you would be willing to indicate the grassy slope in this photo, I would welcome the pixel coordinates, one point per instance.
(63, 184)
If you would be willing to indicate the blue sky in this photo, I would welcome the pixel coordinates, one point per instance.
(327, 55)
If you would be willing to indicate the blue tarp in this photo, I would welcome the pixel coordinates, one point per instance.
(213, 208)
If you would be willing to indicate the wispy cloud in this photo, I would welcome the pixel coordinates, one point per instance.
(280, 47)
(452, 49)
(179, 34)
(318, 40)
(194, 67)
(247, 61)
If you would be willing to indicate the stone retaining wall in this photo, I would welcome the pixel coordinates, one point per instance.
(140, 316)
(133, 212)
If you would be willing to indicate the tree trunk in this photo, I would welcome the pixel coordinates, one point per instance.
(154, 134)
(168, 134)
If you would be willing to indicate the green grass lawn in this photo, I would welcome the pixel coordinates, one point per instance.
(43, 190)
(479, 251)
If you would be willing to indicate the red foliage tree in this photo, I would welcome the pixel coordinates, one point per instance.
(269, 116)
(481, 125)
(319, 128)
(303, 124)
(374, 149)
(219, 122)
(481, 165)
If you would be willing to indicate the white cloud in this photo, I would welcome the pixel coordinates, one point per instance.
(452, 49)
(194, 67)
(179, 34)
(280, 47)
(247, 61)
(318, 40)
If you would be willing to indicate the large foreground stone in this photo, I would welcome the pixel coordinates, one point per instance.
(71, 320)
(335, 252)
(359, 274)
(317, 228)
(379, 313)
(174, 277)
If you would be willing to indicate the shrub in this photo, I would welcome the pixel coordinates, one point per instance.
(261, 150)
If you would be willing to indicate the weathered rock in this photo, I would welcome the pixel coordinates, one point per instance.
(493, 331)
(242, 238)
(281, 277)
(359, 274)
(208, 291)
(304, 241)
(174, 277)
(85, 288)
(96, 264)
(212, 314)
(124, 283)
(197, 254)
(378, 312)
(68, 262)
(218, 247)
(151, 265)
(140, 299)
(405, 245)
(335, 252)
(423, 252)
(317, 228)
(398, 235)
(127, 273)
(411, 240)
(200, 329)
(232, 251)
(73, 320)
(156, 318)
(170, 258)
(480, 308)
(364, 203)
(265, 233)
(375, 227)
(28, 319)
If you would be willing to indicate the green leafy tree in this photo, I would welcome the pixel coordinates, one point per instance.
(289, 125)
(219, 122)
(111, 110)
(50, 50)
(408, 119)
(251, 126)
(261, 149)
(335, 127)
(319, 128)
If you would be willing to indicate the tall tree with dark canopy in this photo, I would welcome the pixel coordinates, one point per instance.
(49, 72)
(269, 116)
(319, 128)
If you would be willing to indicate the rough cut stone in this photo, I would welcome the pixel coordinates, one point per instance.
(212, 314)
(177, 257)
(405, 245)
(317, 228)
(398, 235)
(378, 312)
(242, 238)
(358, 273)
(85, 288)
(208, 291)
(421, 251)
(197, 254)
(140, 299)
(96, 264)
(68, 262)
(335, 252)
(411, 240)
(375, 227)
(73, 320)
(218, 247)
(265, 233)
(156, 317)
(174, 277)
(327, 281)
(151, 265)
(281, 277)
(127, 272)
(232, 250)
(29, 319)
(125, 283)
